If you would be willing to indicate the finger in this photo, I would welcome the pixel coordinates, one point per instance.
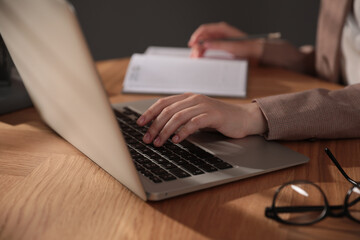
(157, 107)
(176, 121)
(196, 123)
(197, 51)
(166, 114)
(214, 31)
(206, 31)
(200, 31)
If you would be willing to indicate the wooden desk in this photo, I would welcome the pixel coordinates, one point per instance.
(49, 190)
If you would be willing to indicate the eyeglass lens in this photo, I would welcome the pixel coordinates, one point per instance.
(353, 203)
(300, 203)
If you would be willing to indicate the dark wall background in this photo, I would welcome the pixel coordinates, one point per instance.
(116, 28)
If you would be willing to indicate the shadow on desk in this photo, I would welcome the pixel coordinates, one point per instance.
(236, 210)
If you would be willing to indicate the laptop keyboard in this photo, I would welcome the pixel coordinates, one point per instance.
(168, 162)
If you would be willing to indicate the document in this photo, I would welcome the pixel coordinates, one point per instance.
(185, 52)
(164, 70)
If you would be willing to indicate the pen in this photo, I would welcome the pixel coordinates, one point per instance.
(274, 35)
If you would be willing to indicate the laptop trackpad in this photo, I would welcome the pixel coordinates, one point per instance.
(250, 152)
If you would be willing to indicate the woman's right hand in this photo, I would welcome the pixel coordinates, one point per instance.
(186, 113)
(251, 49)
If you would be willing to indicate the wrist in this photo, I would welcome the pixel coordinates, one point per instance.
(257, 51)
(257, 124)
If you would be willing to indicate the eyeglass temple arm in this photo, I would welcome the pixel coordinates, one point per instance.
(355, 201)
(270, 211)
(299, 209)
(333, 159)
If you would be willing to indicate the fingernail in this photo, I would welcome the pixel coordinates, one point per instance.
(146, 137)
(176, 139)
(207, 45)
(141, 120)
(157, 141)
(195, 54)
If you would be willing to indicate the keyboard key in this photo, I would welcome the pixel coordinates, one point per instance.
(150, 166)
(160, 160)
(197, 161)
(131, 112)
(179, 161)
(159, 171)
(167, 177)
(223, 165)
(173, 157)
(192, 169)
(137, 146)
(146, 151)
(208, 168)
(168, 165)
(141, 160)
(135, 154)
(163, 151)
(126, 129)
(188, 156)
(130, 140)
(182, 152)
(148, 174)
(138, 136)
(155, 179)
(179, 173)
(213, 160)
(139, 167)
(173, 147)
(153, 155)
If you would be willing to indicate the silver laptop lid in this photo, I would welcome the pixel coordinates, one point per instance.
(48, 48)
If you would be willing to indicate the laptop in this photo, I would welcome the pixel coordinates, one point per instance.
(48, 48)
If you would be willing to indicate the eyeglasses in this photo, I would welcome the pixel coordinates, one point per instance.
(304, 203)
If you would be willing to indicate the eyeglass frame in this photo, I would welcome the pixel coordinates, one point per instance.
(272, 212)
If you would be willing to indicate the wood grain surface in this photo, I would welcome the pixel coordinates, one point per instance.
(50, 190)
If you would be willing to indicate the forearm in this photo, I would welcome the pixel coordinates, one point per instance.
(318, 113)
(281, 53)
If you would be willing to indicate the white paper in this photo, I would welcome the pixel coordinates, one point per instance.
(173, 72)
(185, 52)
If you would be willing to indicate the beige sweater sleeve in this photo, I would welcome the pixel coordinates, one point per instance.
(313, 114)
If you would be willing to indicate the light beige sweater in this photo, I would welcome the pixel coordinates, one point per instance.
(317, 113)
